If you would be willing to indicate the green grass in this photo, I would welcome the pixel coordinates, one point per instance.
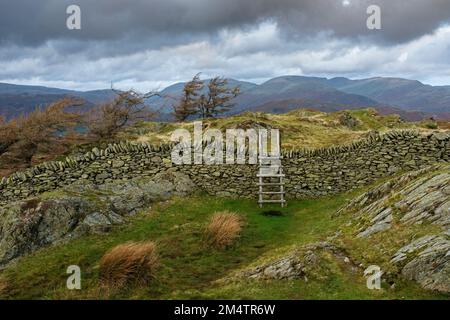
(337, 286)
(189, 268)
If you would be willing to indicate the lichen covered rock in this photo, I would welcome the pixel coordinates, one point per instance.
(307, 262)
(419, 199)
(427, 261)
(79, 209)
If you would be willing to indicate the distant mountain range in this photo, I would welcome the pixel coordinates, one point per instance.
(18, 99)
(411, 99)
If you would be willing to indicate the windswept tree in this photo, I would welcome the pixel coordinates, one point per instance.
(39, 131)
(216, 100)
(4, 140)
(107, 119)
(188, 104)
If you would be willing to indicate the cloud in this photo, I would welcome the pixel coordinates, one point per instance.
(253, 54)
(148, 44)
(33, 22)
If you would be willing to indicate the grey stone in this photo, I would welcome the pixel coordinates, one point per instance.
(28, 225)
(426, 261)
(118, 164)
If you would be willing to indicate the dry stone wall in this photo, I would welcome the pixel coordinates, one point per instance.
(308, 173)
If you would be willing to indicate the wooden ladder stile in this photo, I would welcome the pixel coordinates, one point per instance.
(270, 168)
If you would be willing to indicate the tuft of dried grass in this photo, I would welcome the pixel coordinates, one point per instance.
(131, 263)
(223, 229)
(3, 286)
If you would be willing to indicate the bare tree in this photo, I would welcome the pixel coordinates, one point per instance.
(215, 101)
(188, 104)
(218, 98)
(107, 119)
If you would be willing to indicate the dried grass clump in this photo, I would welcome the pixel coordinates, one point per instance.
(3, 286)
(132, 263)
(223, 229)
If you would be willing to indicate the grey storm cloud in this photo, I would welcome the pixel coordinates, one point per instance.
(152, 43)
(32, 22)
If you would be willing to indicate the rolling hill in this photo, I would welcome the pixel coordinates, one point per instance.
(298, 88)
(411, 99)
(406, 94)
(18, 99)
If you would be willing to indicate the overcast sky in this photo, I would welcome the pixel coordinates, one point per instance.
(149, 44)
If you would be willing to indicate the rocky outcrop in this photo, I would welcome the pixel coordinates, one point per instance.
(414, 198)
(348, 120)
(427, 261)
(304, 263)
(79, 209)
(417, 198)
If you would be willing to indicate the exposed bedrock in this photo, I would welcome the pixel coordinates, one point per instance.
(80, 209)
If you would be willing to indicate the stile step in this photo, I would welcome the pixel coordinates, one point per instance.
(271, 201)
(269, 158)
(270, 175)
(272, 192)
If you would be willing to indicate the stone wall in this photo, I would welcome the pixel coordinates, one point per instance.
(308, 173)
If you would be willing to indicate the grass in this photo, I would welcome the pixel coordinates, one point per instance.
(132, 263)
(177, 228)
(189, 268)
(340, 286)
(223, 229)
(313, 129)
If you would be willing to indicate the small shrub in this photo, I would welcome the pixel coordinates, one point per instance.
(132, 263)
(223, 229)
(430, 124)
(348, 120)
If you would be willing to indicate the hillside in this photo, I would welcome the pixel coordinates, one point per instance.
(407, 94)
(214, 159)
(363, 189)
(300, 128)
(311, 249)
(291, 87)
(18, 99)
